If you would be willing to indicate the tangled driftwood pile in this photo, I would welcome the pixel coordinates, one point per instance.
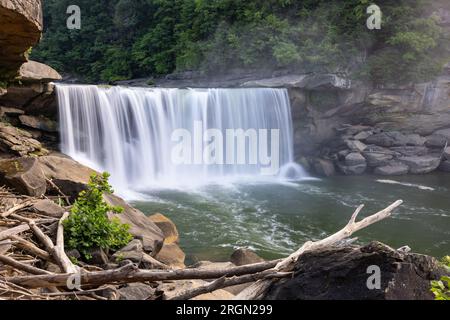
(30, 241)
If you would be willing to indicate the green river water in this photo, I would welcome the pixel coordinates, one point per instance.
(276, 218)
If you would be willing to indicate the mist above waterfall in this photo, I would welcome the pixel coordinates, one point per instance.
(128, 132)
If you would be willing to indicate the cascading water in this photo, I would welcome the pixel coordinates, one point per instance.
(128, 131)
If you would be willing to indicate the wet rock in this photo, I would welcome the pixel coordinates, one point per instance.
(444, 133)
(324, 167)
(168, 228)
(242, 257)
(436, 141)
(375, 159)
(392, 169)
(447, 153)
(396, 139)
(421, 165)
(171, 255)
(137, 292)
(354, 159)
(48, 208)
(141, 227)
(445, 166)
(24, 175)
(411, 150)
(353, 170)
(39, 123)
(342, 274)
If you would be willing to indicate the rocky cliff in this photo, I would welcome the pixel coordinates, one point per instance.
(357, 129)
(21, 29)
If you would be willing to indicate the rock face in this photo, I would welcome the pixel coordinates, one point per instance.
(68, 175)
(40, 123)
(421, 165)
(342, 274)
(19, 142)
(242, 257)
(140, 226)
(24, 175)
(21, 29)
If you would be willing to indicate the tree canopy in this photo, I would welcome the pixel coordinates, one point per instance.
(124, 39)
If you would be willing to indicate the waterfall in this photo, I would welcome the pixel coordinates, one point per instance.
(128, 131)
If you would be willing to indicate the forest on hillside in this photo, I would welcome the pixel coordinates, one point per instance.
(125, 39)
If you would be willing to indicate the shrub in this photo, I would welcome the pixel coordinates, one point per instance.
(88, 225)
(441, 288)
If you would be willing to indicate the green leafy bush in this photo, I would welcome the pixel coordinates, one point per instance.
(88, 226)
(441, 288)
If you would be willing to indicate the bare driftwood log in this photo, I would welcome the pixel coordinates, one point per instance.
(30, 247)
(130, 274)
(16, 208)
(225, 283)
(22, 266)
(13, 231)
(258, 289)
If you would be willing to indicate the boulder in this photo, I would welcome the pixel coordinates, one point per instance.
(242, 257)
(39, 123)
(355, 145)
(445, 166)
(363, 135)
(98, 257)
(436, 141)
(444, 133)
(38, 72)
(172, 256)
(324, 167)
(19, 142)
(168, 228)
(392, 169)
(173, 289)
(421, 165)
(354, 159)
(48, 208)
(342, 274)
(70, 176)
(137, 292)
(141, 227)
(353, 170)
(21, 29)
(396, 139)
(411, 150)
(6, 111)
(375, 159)
(447, 153)
(24, 175)
(134, 252)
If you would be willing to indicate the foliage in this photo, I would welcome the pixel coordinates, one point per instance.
(88, 226)
(122, 39)
(441, 288)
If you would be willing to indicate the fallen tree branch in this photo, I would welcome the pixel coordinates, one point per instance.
(16, 208)
(13, 231)
(130, 274)
(258, 289)
(30, 247)
(22, 266)
(225, 283)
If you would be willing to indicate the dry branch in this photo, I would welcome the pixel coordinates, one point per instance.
(16, 208)
(22, 266)
(258, 289)
(130, 274)
(13, 231)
